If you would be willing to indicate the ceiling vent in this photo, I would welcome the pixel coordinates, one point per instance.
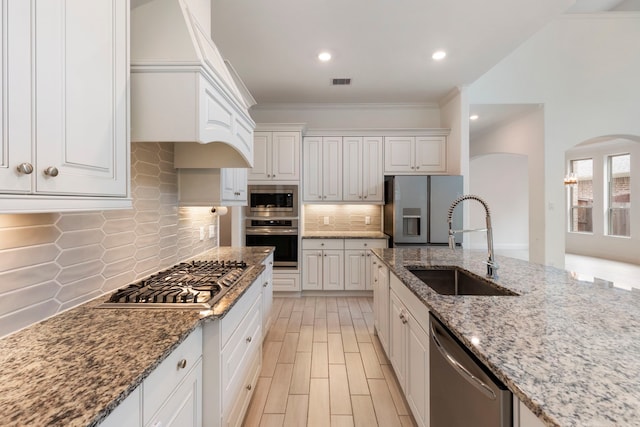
(341, 82)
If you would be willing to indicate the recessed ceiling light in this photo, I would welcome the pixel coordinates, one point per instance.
(473, 117)
(439, 55)
(324, 56)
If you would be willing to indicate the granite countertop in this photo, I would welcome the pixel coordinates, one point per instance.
(76, 367)
(569, 349)
(344, 235)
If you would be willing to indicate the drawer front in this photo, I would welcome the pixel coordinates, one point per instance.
(361, 244)
(232, 319)
(322, 244)
(164, 379)
(238, 353)
(287, 282)
(239, 408)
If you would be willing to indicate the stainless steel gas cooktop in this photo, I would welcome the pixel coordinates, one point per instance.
(197, 284)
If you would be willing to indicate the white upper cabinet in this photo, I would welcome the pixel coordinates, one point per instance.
(276, 156)
(322, 169)
(415, 154)
(212, 187)
(363, 176)
(65, 119)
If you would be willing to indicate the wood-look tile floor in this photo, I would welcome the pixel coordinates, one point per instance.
(323, 366)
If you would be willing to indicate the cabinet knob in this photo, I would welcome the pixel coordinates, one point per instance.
(417, 167)
(182, 364)
(273, 176)
(375, 262)
(324, 197)
(359, 197)
(249, 387)
(321, 244)
(51, 171)
(365, 197)
(25, 168)
(413, 167)
(248, 339)
(270, 262)
(268, 176)
(325, 254)
(265, 284)
(319, 197)
(362, 254)
(403, 318)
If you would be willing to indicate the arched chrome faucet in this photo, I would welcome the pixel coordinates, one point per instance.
(492, 266)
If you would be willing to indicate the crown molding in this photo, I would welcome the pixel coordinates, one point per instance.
(345, 106)
(280, 127)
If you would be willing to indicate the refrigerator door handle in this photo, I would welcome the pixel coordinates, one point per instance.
(464, 372)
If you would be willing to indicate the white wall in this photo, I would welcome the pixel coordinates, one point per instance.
(584, 69)
(598, 244)
(350, 116)
(524, 136)
(453, 109)
(502, 181)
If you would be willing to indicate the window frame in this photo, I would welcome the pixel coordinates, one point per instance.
(572, 190)
(609, 193)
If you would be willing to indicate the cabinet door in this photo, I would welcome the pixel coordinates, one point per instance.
(372, 170)
(333, 269)
(184, 407)
(417, 390)
(312, 169)
(397, 339)
(286, 156)
(312, 270)
(128, 413)
(332, 169)
(228, 184)
(398, 154)
(355, 264)
(261, 170)
(80, 76)
(431, 154)
(15, 126)
(267, 294)
(352, 169)
(240, 179)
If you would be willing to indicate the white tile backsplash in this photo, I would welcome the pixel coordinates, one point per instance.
(54, 261)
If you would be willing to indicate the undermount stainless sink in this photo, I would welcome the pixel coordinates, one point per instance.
(454, 281)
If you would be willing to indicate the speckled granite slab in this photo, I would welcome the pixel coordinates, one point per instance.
(569, 349)
(75, 368)
(344, 235)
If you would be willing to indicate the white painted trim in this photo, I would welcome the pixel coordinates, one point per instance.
(15, 203)
(280, 127)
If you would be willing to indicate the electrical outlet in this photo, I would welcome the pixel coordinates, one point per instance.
(201, 233)
(326, 220)
(367, 220)
(212, 231)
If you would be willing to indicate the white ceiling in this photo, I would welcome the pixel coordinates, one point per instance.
(384, 46)
(493, 115)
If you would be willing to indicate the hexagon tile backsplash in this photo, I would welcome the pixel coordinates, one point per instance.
(54, 261)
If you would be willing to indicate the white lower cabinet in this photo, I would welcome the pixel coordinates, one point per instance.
(357, 262)
(323, 264)
(128, 413)
(409, 348)
(232, 353)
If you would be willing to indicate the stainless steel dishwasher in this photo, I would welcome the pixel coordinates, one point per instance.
(463, 392)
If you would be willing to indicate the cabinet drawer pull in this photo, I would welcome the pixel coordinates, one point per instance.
(265, 284)
(273, 176)
(25, 168)
(249, 387)
(51, 171)
(248, 339)
(365, 197)
(362, 254)
(182, 364)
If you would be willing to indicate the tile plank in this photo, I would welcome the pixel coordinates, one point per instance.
(370, 361)
(289, 347)
(345, 316)
(382, 357)
(355, 372)
(295, 320)
(363, 413)
(301, 377)
(354, 308)
(305, 339)
(333, 322)
(339, 390)
(296, 415)
(336, 351)
(402, 408)
(278, 329)
(299, 304)
(287, 307)
(320, 330)
(277, 399)
(365, 305)
(319, 412)
(272, 420)
(321, 307)
(308, 315)
(349, 340)
(385, 409)
(341, 421)
(332, 306)
(270, 354)
(407, 421)
(319, 360)
(362, 333)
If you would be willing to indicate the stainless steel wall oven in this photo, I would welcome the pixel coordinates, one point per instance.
(272, 201)
(281, 233)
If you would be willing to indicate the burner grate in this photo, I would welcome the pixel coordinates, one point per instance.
(194, 284)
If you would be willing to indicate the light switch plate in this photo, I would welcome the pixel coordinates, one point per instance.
(326, 220)
(212, 231)
(201, 233)
(367, 220)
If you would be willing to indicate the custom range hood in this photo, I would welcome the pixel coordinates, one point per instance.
(182, 90)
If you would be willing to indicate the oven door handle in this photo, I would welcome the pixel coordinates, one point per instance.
(271, 232)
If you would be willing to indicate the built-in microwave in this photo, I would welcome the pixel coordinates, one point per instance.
(272, 201)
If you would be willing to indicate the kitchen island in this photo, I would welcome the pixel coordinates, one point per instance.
(76, 367)
(568, 349)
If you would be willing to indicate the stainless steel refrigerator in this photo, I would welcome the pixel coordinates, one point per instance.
(416, 208)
